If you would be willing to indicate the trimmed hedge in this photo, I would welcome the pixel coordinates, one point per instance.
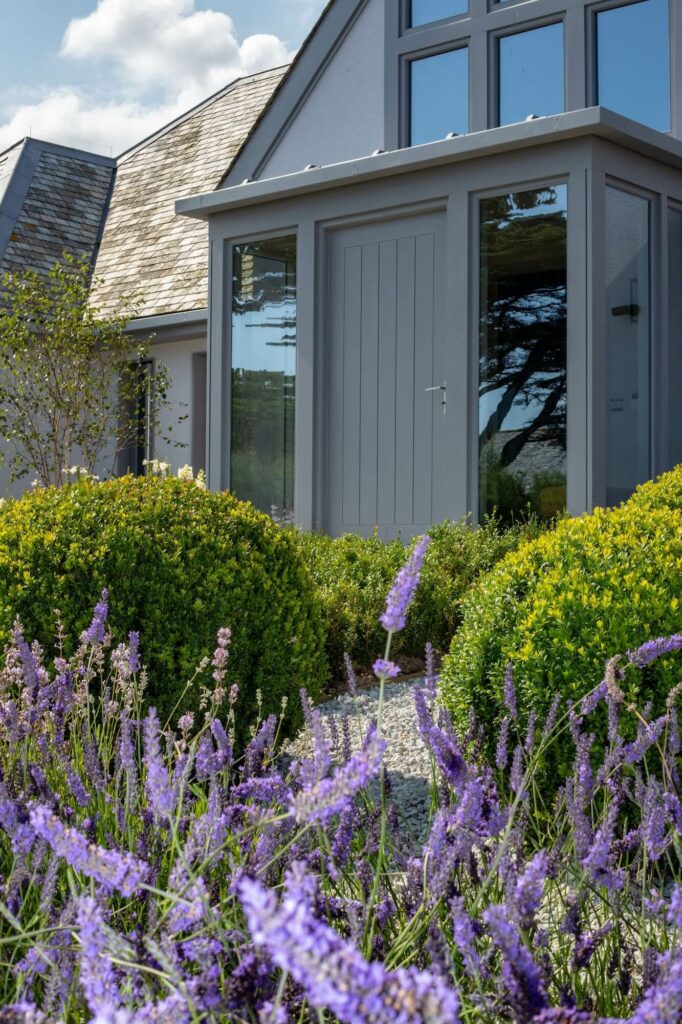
(353, 575)
(559, 607)
(179, 563)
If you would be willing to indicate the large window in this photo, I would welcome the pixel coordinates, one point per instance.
(439, 91)
(531, 73)
(423, 12)
(633, 61)
(526, 57)
(264, 374)
(628, 343)
(522, 359)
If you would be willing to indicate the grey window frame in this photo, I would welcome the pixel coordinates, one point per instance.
(480, 29)
(221, 269)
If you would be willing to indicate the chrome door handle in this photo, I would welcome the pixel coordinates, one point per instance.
(444, 389)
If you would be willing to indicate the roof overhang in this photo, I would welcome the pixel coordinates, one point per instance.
(593, 121)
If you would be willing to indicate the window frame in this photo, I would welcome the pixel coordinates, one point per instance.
(229, 248)
(406, 75)
(494, 76)
(480, 29)
(592, 10)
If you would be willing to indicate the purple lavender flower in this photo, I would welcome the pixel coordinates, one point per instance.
(551, 720)
(529, 888)
(510, 691)
(350, 675)
(160, 792)
(439, 741)
(647, 736)
(587, 945)
(387, 669)
(113, 869)
(663, 1002)
(94, 634)
(599, 861)
(502, 750)
(464, 934)
(675, 907)
(134, 652)
(332, 972)
(329, 796)
(97, 976)
(520, 973)
(654, 649)
(403, 590)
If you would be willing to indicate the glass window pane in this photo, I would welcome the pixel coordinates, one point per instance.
(264, 374)
(425, 11)
(675, 375)
(531, 69)
(522, 378)
(439, 91)
(633, 62)
(628, 270)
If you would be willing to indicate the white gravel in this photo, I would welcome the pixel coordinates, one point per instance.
(406, 760)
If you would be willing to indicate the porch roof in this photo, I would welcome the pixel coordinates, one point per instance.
(593, 121)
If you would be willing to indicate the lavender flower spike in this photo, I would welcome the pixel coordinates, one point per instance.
(403, 590)
(387, 669)
(159, 789)
(654, 649)
(330, 796)
(332, 972)
(96, 972)
(113, 870)
(94, 634)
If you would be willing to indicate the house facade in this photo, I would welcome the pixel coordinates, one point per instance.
(119, 215)
(446, 266)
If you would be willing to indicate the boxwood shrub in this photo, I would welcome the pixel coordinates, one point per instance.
(353, 575)
(562, 605)
(179, 563)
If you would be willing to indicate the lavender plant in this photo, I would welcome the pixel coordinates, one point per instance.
(150, 875)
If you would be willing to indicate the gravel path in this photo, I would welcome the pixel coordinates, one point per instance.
(406, 759)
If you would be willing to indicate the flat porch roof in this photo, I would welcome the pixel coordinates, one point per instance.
(593, 121)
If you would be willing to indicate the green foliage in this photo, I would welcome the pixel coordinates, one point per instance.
(353, 574)
(179, 563)
(70, 380)
(562, 605)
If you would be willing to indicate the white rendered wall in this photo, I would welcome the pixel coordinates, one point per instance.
(177, 357)
(343, 117)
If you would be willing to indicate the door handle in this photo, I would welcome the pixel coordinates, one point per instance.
(443, 388)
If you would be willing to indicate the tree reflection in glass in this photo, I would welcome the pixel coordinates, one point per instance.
(522, 382)
(264, 374)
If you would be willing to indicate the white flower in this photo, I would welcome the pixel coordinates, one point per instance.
(186, 473)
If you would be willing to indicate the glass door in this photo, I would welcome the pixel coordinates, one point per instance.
(628, 343)
(264, 375)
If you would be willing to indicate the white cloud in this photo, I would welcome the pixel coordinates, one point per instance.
(162, 57)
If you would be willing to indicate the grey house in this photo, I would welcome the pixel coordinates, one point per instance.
(446, 265)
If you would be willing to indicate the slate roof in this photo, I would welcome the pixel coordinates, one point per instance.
(52, 200)
(146, 248)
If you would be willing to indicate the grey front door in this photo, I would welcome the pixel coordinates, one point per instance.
(387, 462)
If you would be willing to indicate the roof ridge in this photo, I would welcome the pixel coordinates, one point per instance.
(15, 145)
(197, 108)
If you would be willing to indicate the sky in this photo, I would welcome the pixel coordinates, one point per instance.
(101, 75)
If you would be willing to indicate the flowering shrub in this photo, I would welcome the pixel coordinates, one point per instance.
(561, 606)
(178, 563)
(149, 875)
(352, 575)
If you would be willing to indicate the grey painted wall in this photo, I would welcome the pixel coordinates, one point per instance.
(343, 117)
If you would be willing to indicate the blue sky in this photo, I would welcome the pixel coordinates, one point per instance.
(102, 73)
